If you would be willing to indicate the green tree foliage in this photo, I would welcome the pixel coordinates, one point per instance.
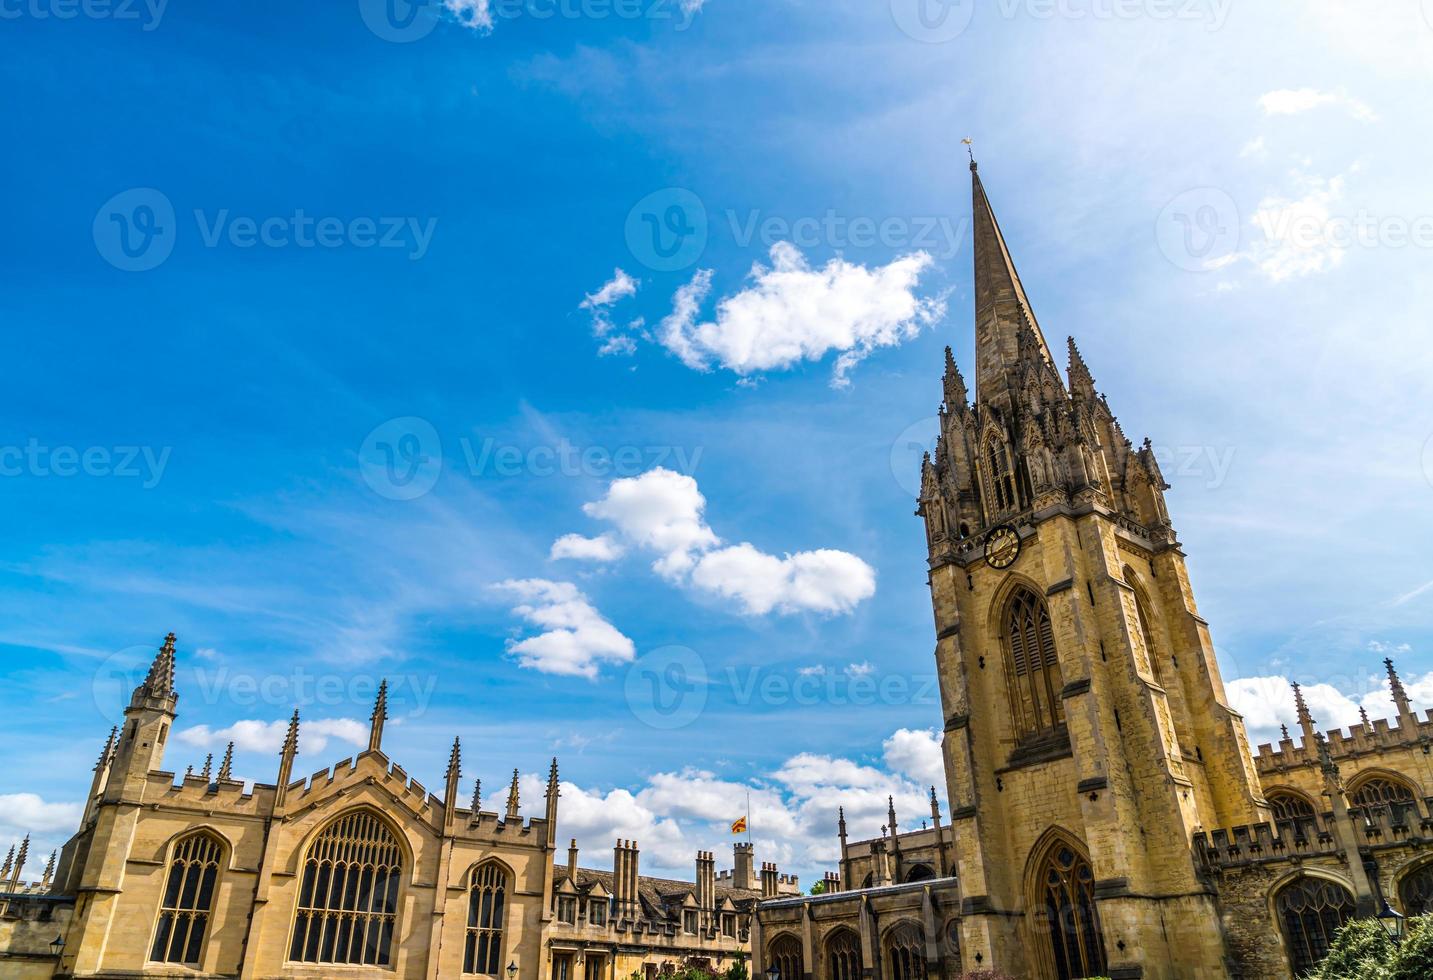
(1363, 951)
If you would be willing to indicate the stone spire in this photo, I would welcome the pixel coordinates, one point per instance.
(1081, 382)
(477, 798)
(9, 863)
(226, 765)
(553, 792)
(379, 716)
(49, 872)
(208, 771)
(107, 753)
(454, 776)
(1400, 696)
(286, 759)
(939, 837)
(1363, 716)
(1306, 720)
(891, 814)
(956, 395)
(19, 867)
(512, 811)
(1001, 306)
(159, 682)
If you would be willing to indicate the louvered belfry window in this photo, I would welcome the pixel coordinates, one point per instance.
(348, 898)
(1034, 668)
(487, 898)
(188, 897)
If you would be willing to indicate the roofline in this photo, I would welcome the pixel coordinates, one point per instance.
(908, 886)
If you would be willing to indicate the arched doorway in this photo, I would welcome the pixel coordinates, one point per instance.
(1063, 902)
(1310, 911)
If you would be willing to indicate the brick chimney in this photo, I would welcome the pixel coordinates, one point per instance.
(572, 861)
(769, 879)
(832, 883)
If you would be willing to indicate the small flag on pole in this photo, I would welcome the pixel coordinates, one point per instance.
(739, 825)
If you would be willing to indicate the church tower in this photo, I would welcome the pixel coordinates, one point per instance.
(1088, 737)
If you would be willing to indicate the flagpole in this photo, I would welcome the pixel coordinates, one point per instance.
(748, 814)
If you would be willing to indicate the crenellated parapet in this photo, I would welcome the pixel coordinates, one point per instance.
(1379, 735)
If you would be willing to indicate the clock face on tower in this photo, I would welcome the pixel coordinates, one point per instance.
(1002, 547)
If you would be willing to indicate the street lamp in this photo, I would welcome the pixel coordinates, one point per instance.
(58, 946)
(512, 970)
(773, 973)
(1391, 921)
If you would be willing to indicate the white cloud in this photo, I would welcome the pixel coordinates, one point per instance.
(1255, 148)
(251, 735)
(792, 810)
(814, 671)
(474, 14)
(661, 511)
(792, 313)
(862, 669)
(602, 548)
(47, 824)
(576, 639)
(619, 287)
(1301, 236)
(1268, 702)
(1290, 102)
(1379, 646)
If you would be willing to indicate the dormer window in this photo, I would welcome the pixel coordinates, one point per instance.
(728, 925)
(597, 911)
(689, 922)
(566, 909)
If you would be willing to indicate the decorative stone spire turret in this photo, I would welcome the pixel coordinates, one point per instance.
(107, 753)
(454, 777)
(477, 798)
(379, 716)
(9, 863)
(553, 792)
(956, 395)
(1306, 720)
(1400, 696)
(159, 682)
(49, 873)
(939, 838)
(512, 810)
(20, 857)
(207, 773)
(1081, 383)
(226, 766)
(286, 759)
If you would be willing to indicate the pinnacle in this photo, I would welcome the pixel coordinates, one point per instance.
(455, 759)
(159, 682)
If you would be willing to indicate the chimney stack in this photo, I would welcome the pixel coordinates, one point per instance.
(741, 872)
(768, 880)
(624, 878)
(832, 883)
(572, 862)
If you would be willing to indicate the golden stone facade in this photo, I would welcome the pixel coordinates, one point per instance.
(354, 871)
(1107, 816)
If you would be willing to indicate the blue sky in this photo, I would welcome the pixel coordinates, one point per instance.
(309, 303)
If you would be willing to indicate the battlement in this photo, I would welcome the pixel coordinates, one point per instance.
(1378, 736)
(1253, 844)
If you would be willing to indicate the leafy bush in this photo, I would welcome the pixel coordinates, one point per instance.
(1363, 951)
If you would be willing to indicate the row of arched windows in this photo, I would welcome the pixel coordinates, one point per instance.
(1373, 791)
(903, 953)
(347, 905)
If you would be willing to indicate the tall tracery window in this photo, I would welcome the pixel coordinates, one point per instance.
(1146, 634)
(1034, 668)
(786, 957)
(348, 898)
(1067, 896)
(1416, 891)
(1310, 911)
(843, 956)
(1289, 806)
(997, 464)
(905, 952)
(1381, 791)
(487, 896)
(188, 897)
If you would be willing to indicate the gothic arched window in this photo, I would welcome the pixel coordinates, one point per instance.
(1066, 890)
(905, 952)
(997, 465)
(1034, 669)
(1288, 805)
(785, 957)
(188, 897)
(843, 956)
(919, 872)
(1416, 891)
(1380, 791)
(1310, 911)
(487, 898)
(1146, 633)
(348, 898)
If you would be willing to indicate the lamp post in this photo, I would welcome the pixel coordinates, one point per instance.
(1391, 921)
(512, 970)
(58, 946)
(772, 973)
